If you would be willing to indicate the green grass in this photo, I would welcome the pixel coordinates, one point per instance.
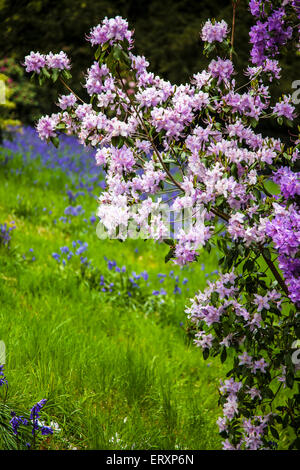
(117, 373)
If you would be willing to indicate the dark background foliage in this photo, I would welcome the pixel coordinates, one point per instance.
(166, 32)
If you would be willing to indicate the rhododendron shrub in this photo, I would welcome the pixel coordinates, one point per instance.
(197, 146)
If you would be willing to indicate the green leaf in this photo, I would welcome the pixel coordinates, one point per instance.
(66, 74)
(223, 354)
(170, 255)
(55, 141)
(274, 432)
(41, 79)
(45, 72)
(55, 75)
(205, 353)
(98, 52)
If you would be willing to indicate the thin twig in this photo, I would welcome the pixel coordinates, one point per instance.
(68, 88)
(234, 4)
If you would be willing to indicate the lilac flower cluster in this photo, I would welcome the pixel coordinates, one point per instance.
(289, 182)
(272, 30)
(216, 31)
(67, 101)
(285, 108)
(253, 429)
(35, 62)
(284, 229)
(110, 30)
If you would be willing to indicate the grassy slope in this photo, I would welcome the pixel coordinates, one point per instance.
(98, 361)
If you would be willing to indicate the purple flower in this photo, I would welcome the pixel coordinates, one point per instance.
(177, 289)
(284, 108)
(34, 62)
(214, 31)
(46, 127)
(56, 256)
(5, 237)
(67, 101)
(221, 69)
(112, 30)
(58, 61)
(3, 380)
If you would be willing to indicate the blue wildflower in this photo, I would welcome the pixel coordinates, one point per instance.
(56, 256)
(177, 289)
(111, 264)
(3, 380)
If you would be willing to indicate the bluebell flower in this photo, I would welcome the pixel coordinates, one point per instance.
(177, 289)
(81, 249)
(56, 256)
(46, 430)
(111, 264)
(74, 210)
(3, 380)
(136, 276)
(144, 275)
(5, 237)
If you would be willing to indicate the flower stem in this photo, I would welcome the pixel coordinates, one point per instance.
(234, 5)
